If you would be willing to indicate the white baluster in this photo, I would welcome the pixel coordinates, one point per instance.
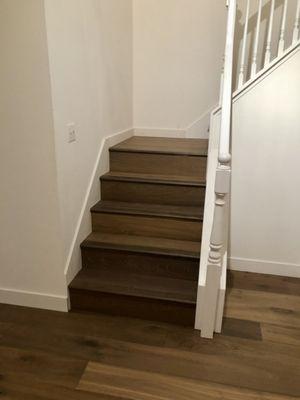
(270, 30)
(282, 30)
(297, 23)
(256, 40)
(243, 57)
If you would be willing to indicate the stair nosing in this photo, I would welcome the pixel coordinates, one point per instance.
(119, 291)
(150, 180)
(162, 152)
(90, 244)
(137, 213)
(138, 296)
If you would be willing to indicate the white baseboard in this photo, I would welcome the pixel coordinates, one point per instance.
(84, 226)
(160, 132)
(33, 300)
(264, 267)
(198, 129)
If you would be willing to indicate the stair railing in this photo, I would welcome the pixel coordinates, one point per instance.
(249, 70)
(211, 297)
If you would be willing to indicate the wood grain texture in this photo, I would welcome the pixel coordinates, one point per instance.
(136, 285)
(264, 282)
(151, 163)
(160, 145)
(149, 210)
(172, 192)
(135, 295)
(43, 355)
(154, 226)
(143, 244)
(272, 308)
(281, 334)
(132, 384)
(144, 263)
(242, 328)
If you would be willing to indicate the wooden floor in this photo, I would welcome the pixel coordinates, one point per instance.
(54, 356)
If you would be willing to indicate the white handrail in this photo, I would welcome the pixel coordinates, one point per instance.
(224, 152)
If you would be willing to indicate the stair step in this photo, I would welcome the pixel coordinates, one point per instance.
(174, 222)
(135, 295)
(154, 189)
(160, 288)
(150, 210)
(155, 156)
(142, 255)
(143, 244)
(158, 179)
(142, 258)
(160, 145)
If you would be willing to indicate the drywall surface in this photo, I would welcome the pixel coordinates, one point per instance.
(265, 217)
(90, 53)
(178, 50)
(30, 238)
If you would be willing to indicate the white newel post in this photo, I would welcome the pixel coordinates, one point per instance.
(211, 307)
(217, 241)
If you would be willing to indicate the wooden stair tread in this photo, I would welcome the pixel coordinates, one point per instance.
(144, 209)
(143, 244)
(153, 179)
(141, 144)
(136, 285)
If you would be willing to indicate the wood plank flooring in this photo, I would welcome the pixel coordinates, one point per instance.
(53, 356)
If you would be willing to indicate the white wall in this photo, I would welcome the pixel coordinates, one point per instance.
(31, 270)
(90, 52)
(265, 218)
(178, 49)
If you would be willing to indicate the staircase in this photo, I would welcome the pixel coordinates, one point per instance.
(142, 257)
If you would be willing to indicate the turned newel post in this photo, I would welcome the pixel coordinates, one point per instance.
(222, 188)
(217, 248)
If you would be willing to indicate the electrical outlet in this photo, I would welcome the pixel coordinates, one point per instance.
(71, 133)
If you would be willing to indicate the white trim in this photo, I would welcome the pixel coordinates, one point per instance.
(198, 129)
(33, 299)
(83, 227)
(264, 267)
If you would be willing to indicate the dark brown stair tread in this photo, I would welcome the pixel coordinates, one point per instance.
(160, 288)
(150, 178)
(144, 209)
(143, 244)
(145, 144)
